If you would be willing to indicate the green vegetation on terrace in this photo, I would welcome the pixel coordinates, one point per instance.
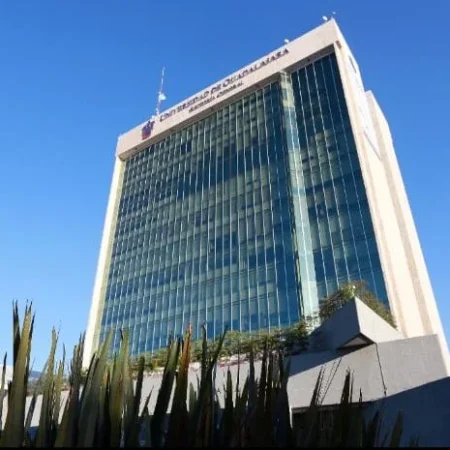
(290, 340)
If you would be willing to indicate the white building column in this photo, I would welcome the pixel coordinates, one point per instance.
(98, 296)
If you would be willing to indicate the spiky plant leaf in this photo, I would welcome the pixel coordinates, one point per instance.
(357, 424)
(311, 435)
(200, 420)
(13, 433)
(240, 416)
(59, 381)
(342, 417)
(165, 392)
(90, 400)
(271, 389)
(178, 420)
(371, 431)
(146, 429)
(2, 392)
(117, 392)
(252, 380)
(192, 398)
(133, 420)
(45, 421)
(144, 421)
(16, 331)
(397, 432)
(283, 435)
(228, 413)
(68, 429)
(204, 353)
(30, 414)
(103, 427)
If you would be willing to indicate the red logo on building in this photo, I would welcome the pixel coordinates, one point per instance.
(147, 129)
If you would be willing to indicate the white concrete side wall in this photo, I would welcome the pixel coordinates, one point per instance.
(93, 329)
(388, 234)
(394, 259)
(380, 369)
(394, 254)
(406, 276)
(374, 327)
(419, 277)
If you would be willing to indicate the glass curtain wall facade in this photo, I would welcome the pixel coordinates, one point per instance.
(244, 219)
(342, 234)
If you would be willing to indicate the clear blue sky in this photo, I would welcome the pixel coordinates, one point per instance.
(76, 74)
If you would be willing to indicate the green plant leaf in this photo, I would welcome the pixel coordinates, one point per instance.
(165, 392)
(58, 390)
(133, 422)
(44, 430)
(2, 392)
(200, 420)
(67, 433)
(178, 420)
(90, 399)
(117, 392)
(13, 432)
(397, 432)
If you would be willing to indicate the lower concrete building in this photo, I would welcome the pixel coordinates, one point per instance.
(394, 373)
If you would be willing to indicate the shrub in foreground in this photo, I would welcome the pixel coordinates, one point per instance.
(103, 407)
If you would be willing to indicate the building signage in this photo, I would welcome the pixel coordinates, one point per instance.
(209, 95)
(229, 84)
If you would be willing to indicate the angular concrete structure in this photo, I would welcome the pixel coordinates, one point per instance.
(353, 325)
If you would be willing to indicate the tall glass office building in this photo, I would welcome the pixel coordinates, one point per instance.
(245, 205)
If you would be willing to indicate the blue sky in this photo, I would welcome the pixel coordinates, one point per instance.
(76, 74)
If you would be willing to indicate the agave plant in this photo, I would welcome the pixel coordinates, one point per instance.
(103, 407)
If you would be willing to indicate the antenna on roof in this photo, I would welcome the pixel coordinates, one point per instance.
(325, 18)
(161, 96)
